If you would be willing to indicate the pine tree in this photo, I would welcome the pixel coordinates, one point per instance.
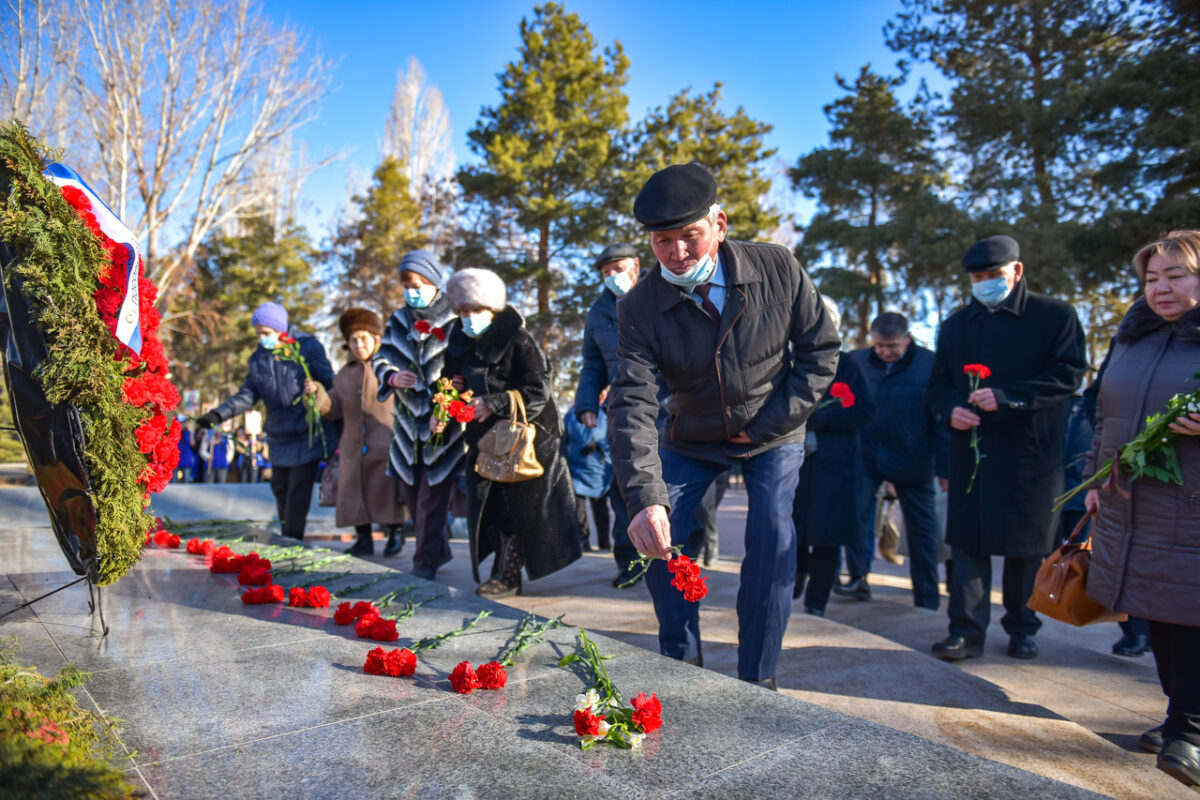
(546, 147)
(386, 223)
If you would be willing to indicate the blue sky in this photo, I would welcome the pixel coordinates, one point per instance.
(776, 59)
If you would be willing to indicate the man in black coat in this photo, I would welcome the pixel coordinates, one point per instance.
(900, 446)
(1034, 349)
(744, 345)
(620, 269)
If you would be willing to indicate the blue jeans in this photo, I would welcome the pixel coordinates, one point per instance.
(920, 528)
(764, 601)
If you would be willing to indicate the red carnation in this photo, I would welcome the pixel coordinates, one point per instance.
(384, 630)
(491, 676)
(319, 597)
(422, 326)
(400, 663)
(647, 712)
(587, 723)
(362, 608)
(271, 593)
(687, 578)
(841, 391)
(375, 662)
(343, 614)
(463, 678)
(200, 547)
(364, 625)
(254, 575)
(297, 597)
(173, 540)
(439, 333)
(980, 371)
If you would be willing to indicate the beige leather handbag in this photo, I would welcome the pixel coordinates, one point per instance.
(506, 453)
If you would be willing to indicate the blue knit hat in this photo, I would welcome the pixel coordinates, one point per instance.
(272, 315)
(424, 264)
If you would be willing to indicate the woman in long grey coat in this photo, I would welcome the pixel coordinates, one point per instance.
(366, 494)
(532, 523)
(1146, 560)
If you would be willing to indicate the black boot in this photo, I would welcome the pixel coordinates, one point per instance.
(395, 541)
(1133, 645)
(364, 545)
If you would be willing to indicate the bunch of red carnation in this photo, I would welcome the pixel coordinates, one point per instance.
(394, 663)
(647, 712)
(146, 385)
(316, 597)
(464, 679)
(687, 578)
(271, 593)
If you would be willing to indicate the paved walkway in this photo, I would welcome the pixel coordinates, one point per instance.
(1073, 714)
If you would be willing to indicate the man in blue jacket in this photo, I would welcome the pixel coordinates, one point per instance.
(900, 446)
(295, 456)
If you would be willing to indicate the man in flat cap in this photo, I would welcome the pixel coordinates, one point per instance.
(741, 339)
(1032, 349)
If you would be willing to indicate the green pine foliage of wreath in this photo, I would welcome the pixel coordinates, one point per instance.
(49, 746)
(58, 260)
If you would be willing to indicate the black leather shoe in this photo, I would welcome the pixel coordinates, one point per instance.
(363, 546)
(1181, 761)
(1022, 646)
(856, 589)
(395, 542)
(816, 612)
(766, 683)
(1152, 740)
(1133, 645)
(956, 648)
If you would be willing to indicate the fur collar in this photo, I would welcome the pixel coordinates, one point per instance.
(1140, 320)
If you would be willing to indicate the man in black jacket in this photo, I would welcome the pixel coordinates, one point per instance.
(1032, 350)
(899, 446)
(746, 349)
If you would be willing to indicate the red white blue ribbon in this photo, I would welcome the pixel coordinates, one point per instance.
(129, 323)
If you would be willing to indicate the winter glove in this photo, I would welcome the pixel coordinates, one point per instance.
(208, 420)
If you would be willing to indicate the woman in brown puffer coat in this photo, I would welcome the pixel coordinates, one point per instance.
(1146, 560)
(365, 493)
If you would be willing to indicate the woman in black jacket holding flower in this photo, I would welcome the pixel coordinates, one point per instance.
(530, 523)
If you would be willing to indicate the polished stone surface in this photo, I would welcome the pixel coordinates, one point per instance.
(218, 698)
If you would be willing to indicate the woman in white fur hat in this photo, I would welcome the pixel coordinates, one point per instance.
(530, 524)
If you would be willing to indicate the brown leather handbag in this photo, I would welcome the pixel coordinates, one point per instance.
(1060, 588)
(506, 453)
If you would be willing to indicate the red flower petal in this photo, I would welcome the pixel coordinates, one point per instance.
(463, 678)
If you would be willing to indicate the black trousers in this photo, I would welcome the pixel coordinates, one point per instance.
(428, 504)
(599, 514)
(819, 565)
(292, 487)
(1177, 655)
(970, 605)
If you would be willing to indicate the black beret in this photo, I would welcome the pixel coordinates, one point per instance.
(676, 196)
(614, 252)
(990, 253)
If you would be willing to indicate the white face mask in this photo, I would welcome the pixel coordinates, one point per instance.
(269, 341)
(474, 325)
(619, 283)
(699, 273)
(420, 297)
(991, 292)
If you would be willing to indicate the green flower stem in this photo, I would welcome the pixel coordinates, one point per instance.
(590, 657)
(974, 381)
(430, 642)
(317, 580)
(642, 565)
(526, 635)
(362, 587)
(410, 608)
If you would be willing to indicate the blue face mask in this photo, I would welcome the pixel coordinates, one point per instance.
(269, 341)
(700, 272)
(990, 292)
(420, 298)
(619, 283)
(475, 324)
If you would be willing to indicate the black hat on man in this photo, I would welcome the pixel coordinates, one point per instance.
(674, 197)
(992, 252)
(614, 252)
